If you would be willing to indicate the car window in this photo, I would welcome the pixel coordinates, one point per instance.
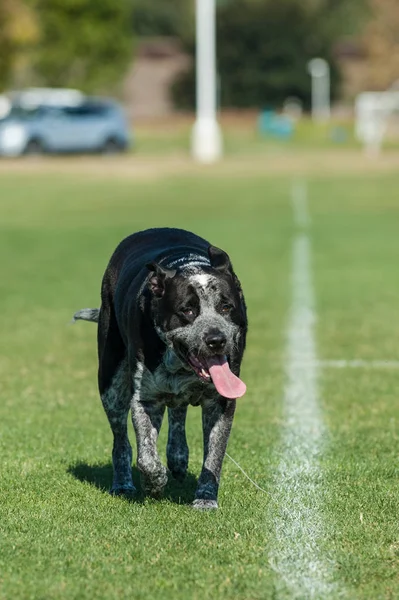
(53, 111)
(82, 111)
(86, 110)
(24, 114)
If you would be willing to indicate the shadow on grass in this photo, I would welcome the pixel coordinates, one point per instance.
(100, 476)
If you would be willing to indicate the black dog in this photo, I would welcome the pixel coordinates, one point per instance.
(171, 332)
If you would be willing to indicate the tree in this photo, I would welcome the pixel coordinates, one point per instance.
(6, 46)
(18, 30)
(381, 44)
(163, 18)
(338, 18)
(83, 43)
(264, 47)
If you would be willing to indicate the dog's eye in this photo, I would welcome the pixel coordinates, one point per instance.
(187, 312)
(226, 308)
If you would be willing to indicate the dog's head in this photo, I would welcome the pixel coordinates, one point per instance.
(201, 314)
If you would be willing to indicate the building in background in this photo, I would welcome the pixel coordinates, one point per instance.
(156, 64)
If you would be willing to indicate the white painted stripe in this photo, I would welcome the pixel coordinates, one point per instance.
(299, 194)
(360, 364)
(356, 363)
(297, 557)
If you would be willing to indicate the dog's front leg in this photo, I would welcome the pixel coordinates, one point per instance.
(177, 448)
(217, 419)
(147, 420)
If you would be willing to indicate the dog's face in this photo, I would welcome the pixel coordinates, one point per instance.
(201, 315)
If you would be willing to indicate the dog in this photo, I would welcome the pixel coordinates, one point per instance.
(171, 333)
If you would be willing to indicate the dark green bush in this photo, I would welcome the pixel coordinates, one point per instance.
(263, 48)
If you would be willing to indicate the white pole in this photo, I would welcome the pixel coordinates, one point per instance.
(319, 70)
(206, 134)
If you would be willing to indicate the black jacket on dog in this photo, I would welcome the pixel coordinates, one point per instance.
(171, 332)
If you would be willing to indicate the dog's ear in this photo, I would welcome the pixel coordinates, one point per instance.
(157, 279)
(219, 259)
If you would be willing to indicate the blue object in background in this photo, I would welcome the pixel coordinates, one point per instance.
(279, 126)
(339, 135)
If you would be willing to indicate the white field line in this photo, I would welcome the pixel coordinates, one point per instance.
(299, 197)
(297, 557)
(356, 363)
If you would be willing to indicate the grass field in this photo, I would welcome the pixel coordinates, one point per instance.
(62, 535)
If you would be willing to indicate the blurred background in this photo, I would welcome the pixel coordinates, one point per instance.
(142, 54)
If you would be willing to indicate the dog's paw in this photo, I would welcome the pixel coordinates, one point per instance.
(125, 491)
(156, 493)
(177, 465)
(200, 504)
(154, 484)
(179, 475)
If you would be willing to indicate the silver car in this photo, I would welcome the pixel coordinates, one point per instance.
(92, 125)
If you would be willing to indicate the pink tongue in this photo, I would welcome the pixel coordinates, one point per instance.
(226, 383)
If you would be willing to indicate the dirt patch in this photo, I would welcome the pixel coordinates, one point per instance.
(300, 162)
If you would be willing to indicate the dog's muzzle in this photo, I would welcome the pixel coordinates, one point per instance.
(216, 369)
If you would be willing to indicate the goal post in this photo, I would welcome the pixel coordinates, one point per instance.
(206, 140)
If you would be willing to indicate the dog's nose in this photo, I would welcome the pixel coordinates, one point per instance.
(216, 340)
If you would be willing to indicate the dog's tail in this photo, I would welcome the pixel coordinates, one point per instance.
(86, 314)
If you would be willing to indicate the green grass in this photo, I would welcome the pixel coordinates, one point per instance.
(245, 138)
(242, 137)
(356, 244)
(61, 534)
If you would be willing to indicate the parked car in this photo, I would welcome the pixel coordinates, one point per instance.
(84, 125)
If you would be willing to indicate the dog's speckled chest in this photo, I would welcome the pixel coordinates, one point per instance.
(173, 384)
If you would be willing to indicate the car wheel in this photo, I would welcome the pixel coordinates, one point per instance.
(111, 146)
(34, 148)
